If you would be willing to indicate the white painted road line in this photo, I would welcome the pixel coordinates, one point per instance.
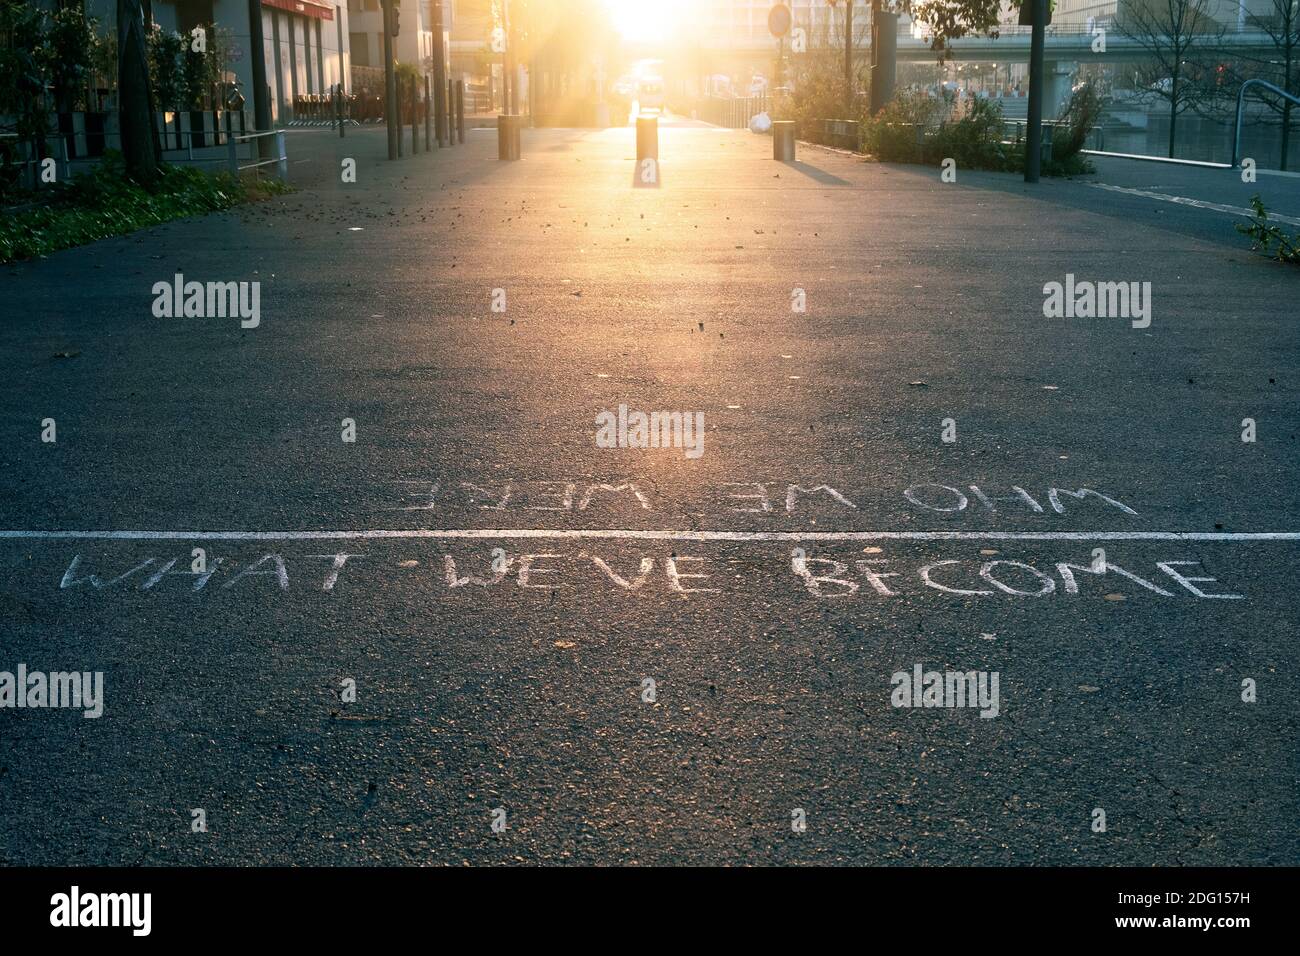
(641, 535)
(1197, 203)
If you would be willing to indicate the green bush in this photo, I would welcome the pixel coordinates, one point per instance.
(975, 140)
(405, 72)
(105, 203)
(891, 135)
(24, 70)
(1070, 135)
(166, 51)
(1268, 238)
(816, 87)
(69, 52)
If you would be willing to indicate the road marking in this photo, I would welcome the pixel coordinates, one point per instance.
(643, 535)
(1198, 203)
(1160, 159)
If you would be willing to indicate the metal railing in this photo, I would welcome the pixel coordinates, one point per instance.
(1241, 106)
(839, 133)
(231, 159)
(280, 159)
(732, 112)
(1016, 128)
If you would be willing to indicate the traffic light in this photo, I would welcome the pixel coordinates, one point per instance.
(394, 18)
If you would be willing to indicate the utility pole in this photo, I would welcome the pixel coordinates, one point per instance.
(884, 55)
(1034, 126)
(391, 119)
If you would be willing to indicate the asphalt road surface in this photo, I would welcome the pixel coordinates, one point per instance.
(392, 643)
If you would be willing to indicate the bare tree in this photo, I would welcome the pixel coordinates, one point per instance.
(1174, 34)
(134, 110)
(817, 75)
(1281, 21)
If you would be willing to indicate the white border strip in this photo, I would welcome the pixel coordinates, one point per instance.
(641, 535)
(1195, 203)
(1159, 159)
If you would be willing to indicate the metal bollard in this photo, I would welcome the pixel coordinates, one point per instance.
(646, 172)
(783, 141)
(460, 109)
(428, 116)
(415, 113)
(508, 136)
(232, 156)
(439, 112)
(451, 112)
(647, 137)
(283, 164)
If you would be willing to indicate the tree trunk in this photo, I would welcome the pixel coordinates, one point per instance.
(135, 115)
(848, 58)
(1286, 132)
(1173, 111)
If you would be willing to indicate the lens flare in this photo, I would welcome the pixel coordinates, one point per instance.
(639, 21)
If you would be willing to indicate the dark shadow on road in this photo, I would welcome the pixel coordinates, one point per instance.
(1088, 194)
(820, 175)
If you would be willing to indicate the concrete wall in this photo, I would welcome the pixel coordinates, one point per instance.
(413, 45)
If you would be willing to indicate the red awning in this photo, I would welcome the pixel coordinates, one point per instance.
(319, 9)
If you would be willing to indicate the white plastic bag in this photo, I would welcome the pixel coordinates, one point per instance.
(761, 123)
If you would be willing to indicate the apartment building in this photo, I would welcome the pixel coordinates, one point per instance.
(413, 44)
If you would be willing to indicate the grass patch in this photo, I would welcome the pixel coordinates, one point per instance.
(105, 203)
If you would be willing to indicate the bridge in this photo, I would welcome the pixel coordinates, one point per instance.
(1064, 48)
(1076, 46)
(1011, 44)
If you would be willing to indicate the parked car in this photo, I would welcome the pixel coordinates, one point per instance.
(718, 84)
(650, 94)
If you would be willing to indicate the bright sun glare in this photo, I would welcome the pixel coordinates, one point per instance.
(646, 21)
